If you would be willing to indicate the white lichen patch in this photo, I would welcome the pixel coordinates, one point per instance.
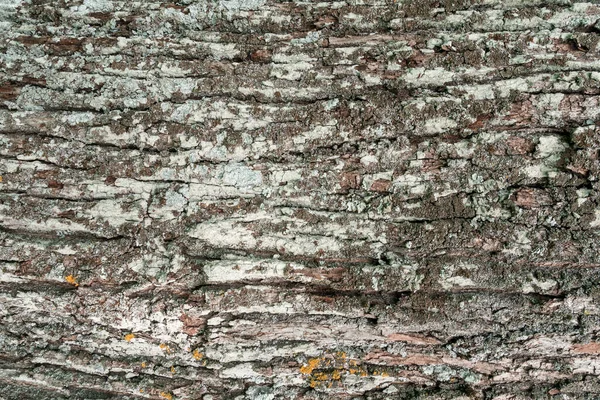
(480, 92)
(238, 5)
(368, 179)
(241, 371)
(452, 275)
(296, 58)
(8, 9)
(148, 265)
(302, 245)
(174, 202)
(596, 222)
(318, 132)
(228, 353)
(56, 226)
(550, 147)
(409, 181)
(283, 177)
(224, 234)
(222, 51)
(421, 76)
(242, 270)
(202, 191)
(439, 125)
(505, 87)
(369, 160)
(241, 176)
(540, 171)
(549, 106)
(290, 72)
(7, 276)
(90, 6)
(534, 285)
(114, 213)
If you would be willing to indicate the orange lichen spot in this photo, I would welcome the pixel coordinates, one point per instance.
(336, 375)
(197, 355)
(353, 362)
(375, 372)
(129, 336)
(341, 355)
(312, 364)
(143, 365)
(165, 347)
(0, 179)
(352, 371)
(313, 383)
(321, 376)
(71, 279)
(141, 390)
(385, 374)
(166, 395)
(172, 370)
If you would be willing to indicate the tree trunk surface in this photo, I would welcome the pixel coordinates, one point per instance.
(260, 199)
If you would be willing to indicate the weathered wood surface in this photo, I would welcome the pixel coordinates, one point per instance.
(254, 199)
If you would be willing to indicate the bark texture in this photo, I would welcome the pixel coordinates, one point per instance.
(258, 199)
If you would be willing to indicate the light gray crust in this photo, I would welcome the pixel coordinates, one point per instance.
(299, 200)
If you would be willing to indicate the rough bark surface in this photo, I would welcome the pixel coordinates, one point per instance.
(258, 199)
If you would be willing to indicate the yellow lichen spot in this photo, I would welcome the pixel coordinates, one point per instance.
(129, 336)
(165, 347)
(341, 355)
(363, 372)
(313, 383)
(71, 279)
(385, 374)
(172, 370)
(166, 395)
(312, 364)
(353, 362)
(143, 365)
(197, 355)
(375, 372)
(336, 375)
(0, 179)
(352, 371)
(141, 390)
(321, 376)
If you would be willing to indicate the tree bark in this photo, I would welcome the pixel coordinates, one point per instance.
(260, 199)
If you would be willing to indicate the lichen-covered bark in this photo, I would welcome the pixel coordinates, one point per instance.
(259, 199)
